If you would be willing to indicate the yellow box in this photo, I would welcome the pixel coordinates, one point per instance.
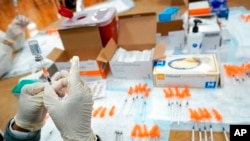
(194, 71)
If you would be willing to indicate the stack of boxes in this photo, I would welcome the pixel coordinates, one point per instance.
(210, 28)
(85, 40)
(85, 35)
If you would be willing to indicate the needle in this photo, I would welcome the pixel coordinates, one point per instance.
(211, 133)
(200, 136)
(193, 139)
(225, 134)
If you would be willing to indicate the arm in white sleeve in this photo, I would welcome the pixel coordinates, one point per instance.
(5, 58)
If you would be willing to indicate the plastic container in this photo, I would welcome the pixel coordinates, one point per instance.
(220, 8)
(104, 18)
(194, 39)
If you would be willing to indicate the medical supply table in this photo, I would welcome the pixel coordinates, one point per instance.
(115, 94)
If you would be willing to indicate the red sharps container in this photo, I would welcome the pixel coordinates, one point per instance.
(104, 18)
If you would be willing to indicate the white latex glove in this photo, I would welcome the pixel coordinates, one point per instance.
(59, 75)
(17, 26)
(59, 83)
(5, 58)
(31, 111)
(15, 34)
(72, 114)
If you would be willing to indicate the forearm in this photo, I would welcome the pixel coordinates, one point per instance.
(14, 126)
(13, 133)
(5, 58)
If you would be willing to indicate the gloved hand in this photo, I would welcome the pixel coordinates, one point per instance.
(59, 75)
(15, 35)
(16, 27)
(59, 83)
(31, 111)
(72, 114)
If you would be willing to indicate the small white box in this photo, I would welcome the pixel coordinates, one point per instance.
(198, 8)
(194, 71)
(133, 36)
(211, 37)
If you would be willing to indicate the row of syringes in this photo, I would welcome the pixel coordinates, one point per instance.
(177, 103)
(238, 73)
(141, 132)
(201, 116)
(136, 100)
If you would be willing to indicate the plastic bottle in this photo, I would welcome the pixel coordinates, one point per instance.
(194, 39)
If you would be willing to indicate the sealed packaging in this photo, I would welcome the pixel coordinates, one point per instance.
(104, 19)
(168, 14)
(133, 36)
(198, 7)
(18, 87)
(194, 71)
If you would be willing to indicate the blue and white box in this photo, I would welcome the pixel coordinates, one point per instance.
(193, 71)
(168, 14)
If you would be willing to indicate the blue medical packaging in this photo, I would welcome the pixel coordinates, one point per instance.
(168, 14)
(18, 88)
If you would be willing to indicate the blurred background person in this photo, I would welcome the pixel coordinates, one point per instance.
(12, 41)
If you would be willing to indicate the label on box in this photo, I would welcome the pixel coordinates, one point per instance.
(89, 70)
(63, 65)
(135, 70)
(83, 65)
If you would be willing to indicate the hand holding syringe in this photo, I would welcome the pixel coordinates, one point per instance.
(36, 51)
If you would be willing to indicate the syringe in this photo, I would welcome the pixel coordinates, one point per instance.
(15, 4)
(36, 51)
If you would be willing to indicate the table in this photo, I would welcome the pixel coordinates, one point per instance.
(141, 5)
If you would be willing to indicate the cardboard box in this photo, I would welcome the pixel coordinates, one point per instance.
(177, 2)
(136, 32)
(194, 71)
(174, 31)
(86, 43)
(165, 27)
